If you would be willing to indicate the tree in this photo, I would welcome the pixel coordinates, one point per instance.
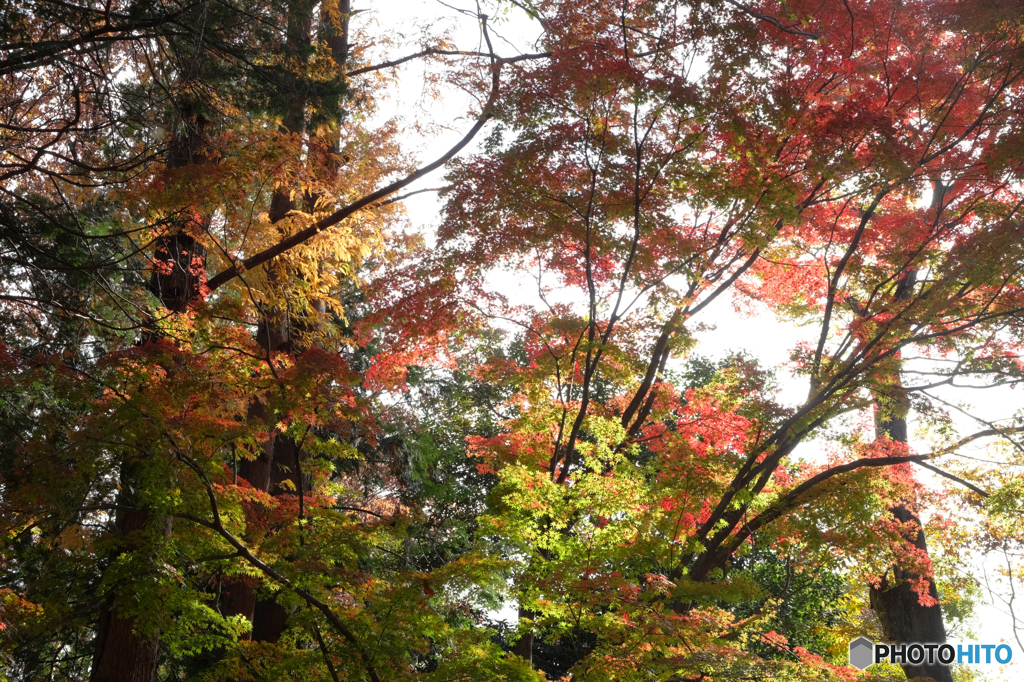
(789, 166)
(205, 93)
(234, 344)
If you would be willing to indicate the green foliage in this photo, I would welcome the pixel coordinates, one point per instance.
(803, 604)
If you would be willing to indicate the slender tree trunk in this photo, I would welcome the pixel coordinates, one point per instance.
(898, 607)
(524, 645)
(274, 335)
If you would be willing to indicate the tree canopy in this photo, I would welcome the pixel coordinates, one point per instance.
(259, 423)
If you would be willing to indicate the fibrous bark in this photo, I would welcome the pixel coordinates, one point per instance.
(123, 651)
(898, 606)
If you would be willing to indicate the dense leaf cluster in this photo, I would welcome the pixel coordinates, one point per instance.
(257, 424)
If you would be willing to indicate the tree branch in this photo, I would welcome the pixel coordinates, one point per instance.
(305, 235)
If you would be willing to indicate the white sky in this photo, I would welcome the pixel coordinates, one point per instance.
(761, 335)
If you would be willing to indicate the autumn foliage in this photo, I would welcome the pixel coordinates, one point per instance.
(258, 423)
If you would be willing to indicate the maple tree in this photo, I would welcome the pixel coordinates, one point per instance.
(254, 430)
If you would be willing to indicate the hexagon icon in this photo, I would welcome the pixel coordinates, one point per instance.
(862, 653)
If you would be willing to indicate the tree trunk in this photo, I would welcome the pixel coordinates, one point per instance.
(280, 459)
(239, 593)
(902, 616)
(269, 617)
(898, 607)
(524, 647)
(122, 653)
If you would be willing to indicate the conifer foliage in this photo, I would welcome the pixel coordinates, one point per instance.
(254, 427)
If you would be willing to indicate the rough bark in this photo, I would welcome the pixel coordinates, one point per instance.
(267, 472)
(524, 646)
(274, 335)
(898, 607)
(124, 653)
(239, 593)
(269, 621)
(279, 459)
(276, 464)
(269, 617)
(179, 271)
(902, 616)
